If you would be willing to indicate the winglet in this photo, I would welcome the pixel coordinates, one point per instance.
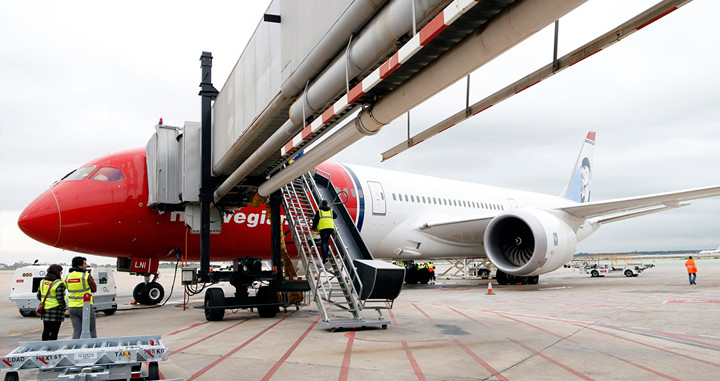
(578, 188)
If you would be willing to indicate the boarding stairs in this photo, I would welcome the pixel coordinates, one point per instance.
(338, 283)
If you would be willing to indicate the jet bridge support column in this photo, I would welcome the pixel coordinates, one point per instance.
(275, 231)
(208, 94)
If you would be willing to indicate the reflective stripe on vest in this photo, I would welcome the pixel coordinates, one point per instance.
(77, 286)
(326, 220)
(51, 300)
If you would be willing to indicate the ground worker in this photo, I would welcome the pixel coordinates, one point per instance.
(79, 282)
(691, 269)
(431, 268)
(324, 224)
(52, 293)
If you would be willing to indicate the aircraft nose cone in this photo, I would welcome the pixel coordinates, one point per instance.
(41, 219)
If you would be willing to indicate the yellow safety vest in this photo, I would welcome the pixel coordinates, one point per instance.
(326, 220)
(51, 300)
(77, 286)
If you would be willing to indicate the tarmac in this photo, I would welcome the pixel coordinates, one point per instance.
(569, 326)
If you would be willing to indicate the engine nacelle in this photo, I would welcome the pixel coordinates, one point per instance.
(527, 242)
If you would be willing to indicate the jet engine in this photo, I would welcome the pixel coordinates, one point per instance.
(528, 242)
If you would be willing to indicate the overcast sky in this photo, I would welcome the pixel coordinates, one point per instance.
(85, 78)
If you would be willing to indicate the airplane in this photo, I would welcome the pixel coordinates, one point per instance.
(710, 252)
(101, 208)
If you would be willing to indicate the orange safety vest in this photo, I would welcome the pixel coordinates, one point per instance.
(690, 264)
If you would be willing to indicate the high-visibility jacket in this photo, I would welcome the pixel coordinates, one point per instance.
(690, 264)
(49, 285)
(431, 267)
(326, 220)
(77, 287)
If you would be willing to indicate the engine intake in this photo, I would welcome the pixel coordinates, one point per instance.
(527, 242)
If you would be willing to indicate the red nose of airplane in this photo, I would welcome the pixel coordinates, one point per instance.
(41, 219)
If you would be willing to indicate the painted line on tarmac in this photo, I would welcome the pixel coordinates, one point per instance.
(467, 317)
(207, 337)
(345, 369)
(423, 312)
(392, 318)
(287, 354)
(548, 358)
(191, 326)
(413, 363)
(241, 346)
(480, 361)
(567, 338)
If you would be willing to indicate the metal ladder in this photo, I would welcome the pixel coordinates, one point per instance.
(339, 286)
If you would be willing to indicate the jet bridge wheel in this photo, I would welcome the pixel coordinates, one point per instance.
(629, 273)
(28, 313)
(12, 376)
(267, 295)
(214, 297)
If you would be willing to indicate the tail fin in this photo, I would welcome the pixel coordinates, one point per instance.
(578, 188)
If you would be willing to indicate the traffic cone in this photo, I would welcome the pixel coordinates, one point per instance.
(490, 291)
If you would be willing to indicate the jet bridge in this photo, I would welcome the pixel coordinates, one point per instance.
(290, 89)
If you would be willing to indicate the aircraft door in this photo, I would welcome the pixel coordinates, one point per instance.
(378, 197)
(513, 203)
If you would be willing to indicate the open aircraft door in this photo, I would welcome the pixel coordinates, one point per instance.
(378, 197)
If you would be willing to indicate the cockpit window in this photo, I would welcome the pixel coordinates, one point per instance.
(78, 174)
(108, 174)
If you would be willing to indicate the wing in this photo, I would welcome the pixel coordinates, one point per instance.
(636, 206)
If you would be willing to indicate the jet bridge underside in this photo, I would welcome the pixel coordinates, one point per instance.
(275, 116)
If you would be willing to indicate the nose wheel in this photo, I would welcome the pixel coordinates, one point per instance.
(149, 293)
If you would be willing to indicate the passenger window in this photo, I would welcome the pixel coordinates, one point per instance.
(394, 197)
(78, 174)
(108, 174)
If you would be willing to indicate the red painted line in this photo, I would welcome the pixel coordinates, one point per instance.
(446, 128)
(287, 354)
(639, 366)
(355, 93)
(483, 109)
(345, 369)
(185, 329)
(328, 115)
(530, 325)
(527, 87)
(241, 346)
(413, 363)
(206, 337)
(432, 29)
(589, 55)
(6, 362)
(656, 18)
(392, 317)
(423, 312)
(480, 361)
(306, 132)
(42, 360)
(587, 325)
(649, 346)
(467, 317)
(148, 352)
(573, 371)
(288, 146)
(162, 376)
(389, 66)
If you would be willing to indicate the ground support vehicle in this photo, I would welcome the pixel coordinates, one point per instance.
(26, 282)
